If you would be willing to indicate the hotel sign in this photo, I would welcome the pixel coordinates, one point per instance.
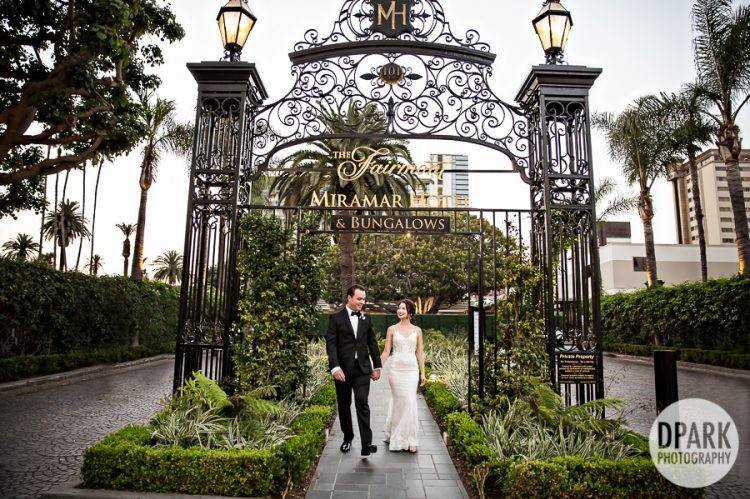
(395, 224)
(392, 17)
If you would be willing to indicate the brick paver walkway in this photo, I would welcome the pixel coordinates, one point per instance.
(428, 474)
(43, 434)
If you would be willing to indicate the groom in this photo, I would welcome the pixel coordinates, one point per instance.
(350, 343)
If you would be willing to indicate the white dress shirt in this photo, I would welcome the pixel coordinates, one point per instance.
(354, 319)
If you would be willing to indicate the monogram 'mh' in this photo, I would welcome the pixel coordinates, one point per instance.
(392, 17)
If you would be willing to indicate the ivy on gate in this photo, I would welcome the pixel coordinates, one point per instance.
(280, 281)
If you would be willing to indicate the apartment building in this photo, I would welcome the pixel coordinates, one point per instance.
(451, 191)
(717, 209)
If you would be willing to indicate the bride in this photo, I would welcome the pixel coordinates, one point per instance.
(406, 371)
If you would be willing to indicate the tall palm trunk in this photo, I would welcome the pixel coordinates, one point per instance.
(44, 209)
(93, 216)
(645, 207)
(698, 213)
(136, 272)
(54, 243)
(125, 255)
(646, 212)
(63, 244)
(83, 212)
(730, 148)
(346, 245)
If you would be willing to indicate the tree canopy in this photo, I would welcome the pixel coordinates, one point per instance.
(69, 70)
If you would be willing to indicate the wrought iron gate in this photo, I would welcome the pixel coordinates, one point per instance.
(430, 84)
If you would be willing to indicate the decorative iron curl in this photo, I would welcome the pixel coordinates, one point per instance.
(354, 24)
(443, 98)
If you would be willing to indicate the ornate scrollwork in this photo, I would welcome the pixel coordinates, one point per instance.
(354, 24)
(437, 98)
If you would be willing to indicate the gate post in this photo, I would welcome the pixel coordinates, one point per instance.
(228, 94)
(564, 220)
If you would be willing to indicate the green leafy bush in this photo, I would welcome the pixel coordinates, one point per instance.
(567, 477)
(15, 368)
(706, 316)
(128, 460)
(711, 357)
(281, 280)
(46, 312)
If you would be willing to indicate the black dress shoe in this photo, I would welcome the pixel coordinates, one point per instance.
(369, 449)
(346, 446)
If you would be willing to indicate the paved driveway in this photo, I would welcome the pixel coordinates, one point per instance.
(43, 434)
(633, 382)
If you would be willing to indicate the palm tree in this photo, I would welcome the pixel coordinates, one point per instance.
(96, 199)
(169, 267)
(690, 130)
(64, 226)
(127, 231)
(83, 210)
(95, 264)
(608, 206)
(162, 135)
(315, 171)
(638, 141)
(21, 247)
(722, 59)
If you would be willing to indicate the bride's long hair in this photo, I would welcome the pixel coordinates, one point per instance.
(411, 308)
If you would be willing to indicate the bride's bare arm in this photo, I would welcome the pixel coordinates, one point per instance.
(420, 357)
(388, 345)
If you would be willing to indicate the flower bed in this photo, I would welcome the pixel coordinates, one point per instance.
(564, 476)
(129, 460)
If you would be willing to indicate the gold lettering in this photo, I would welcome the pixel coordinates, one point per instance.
(341, 200)
(355, 223)
(317, 201)
(397, 201)
(391, 14)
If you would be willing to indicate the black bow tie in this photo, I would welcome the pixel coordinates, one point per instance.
(358, 314)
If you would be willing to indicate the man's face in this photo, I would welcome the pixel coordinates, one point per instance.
(357, 301)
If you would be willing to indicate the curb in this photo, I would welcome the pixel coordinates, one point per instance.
(33, 384)
(71, 491)
(687, 366)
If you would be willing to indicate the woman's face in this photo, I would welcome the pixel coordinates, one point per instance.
(402, 312)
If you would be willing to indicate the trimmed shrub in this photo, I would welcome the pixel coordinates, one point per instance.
(565, 477)
(706, 316)
(126, 460)
(441, 400)
(46, 312)
(15, 368)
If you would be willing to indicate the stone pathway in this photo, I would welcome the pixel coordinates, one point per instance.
(43, 434)
(428, 474)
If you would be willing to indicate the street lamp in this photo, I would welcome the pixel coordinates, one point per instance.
(236, 21)
(552, 25)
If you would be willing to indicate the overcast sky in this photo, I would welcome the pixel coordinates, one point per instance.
(643, 47)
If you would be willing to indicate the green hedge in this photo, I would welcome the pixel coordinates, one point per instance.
(712, 357)
(15, 368)
(449, 324)
(707, 316)
(565, 477)
(127, 461)
(45, 312)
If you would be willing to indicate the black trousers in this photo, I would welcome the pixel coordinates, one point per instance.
(359, 383)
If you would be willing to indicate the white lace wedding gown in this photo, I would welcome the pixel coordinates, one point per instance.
(402, 423)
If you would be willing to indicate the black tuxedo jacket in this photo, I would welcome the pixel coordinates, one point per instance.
(341, 343)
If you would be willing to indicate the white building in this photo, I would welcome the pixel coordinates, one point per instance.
(623, 263)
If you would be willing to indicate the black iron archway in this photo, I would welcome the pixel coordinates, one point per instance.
(430, 84)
